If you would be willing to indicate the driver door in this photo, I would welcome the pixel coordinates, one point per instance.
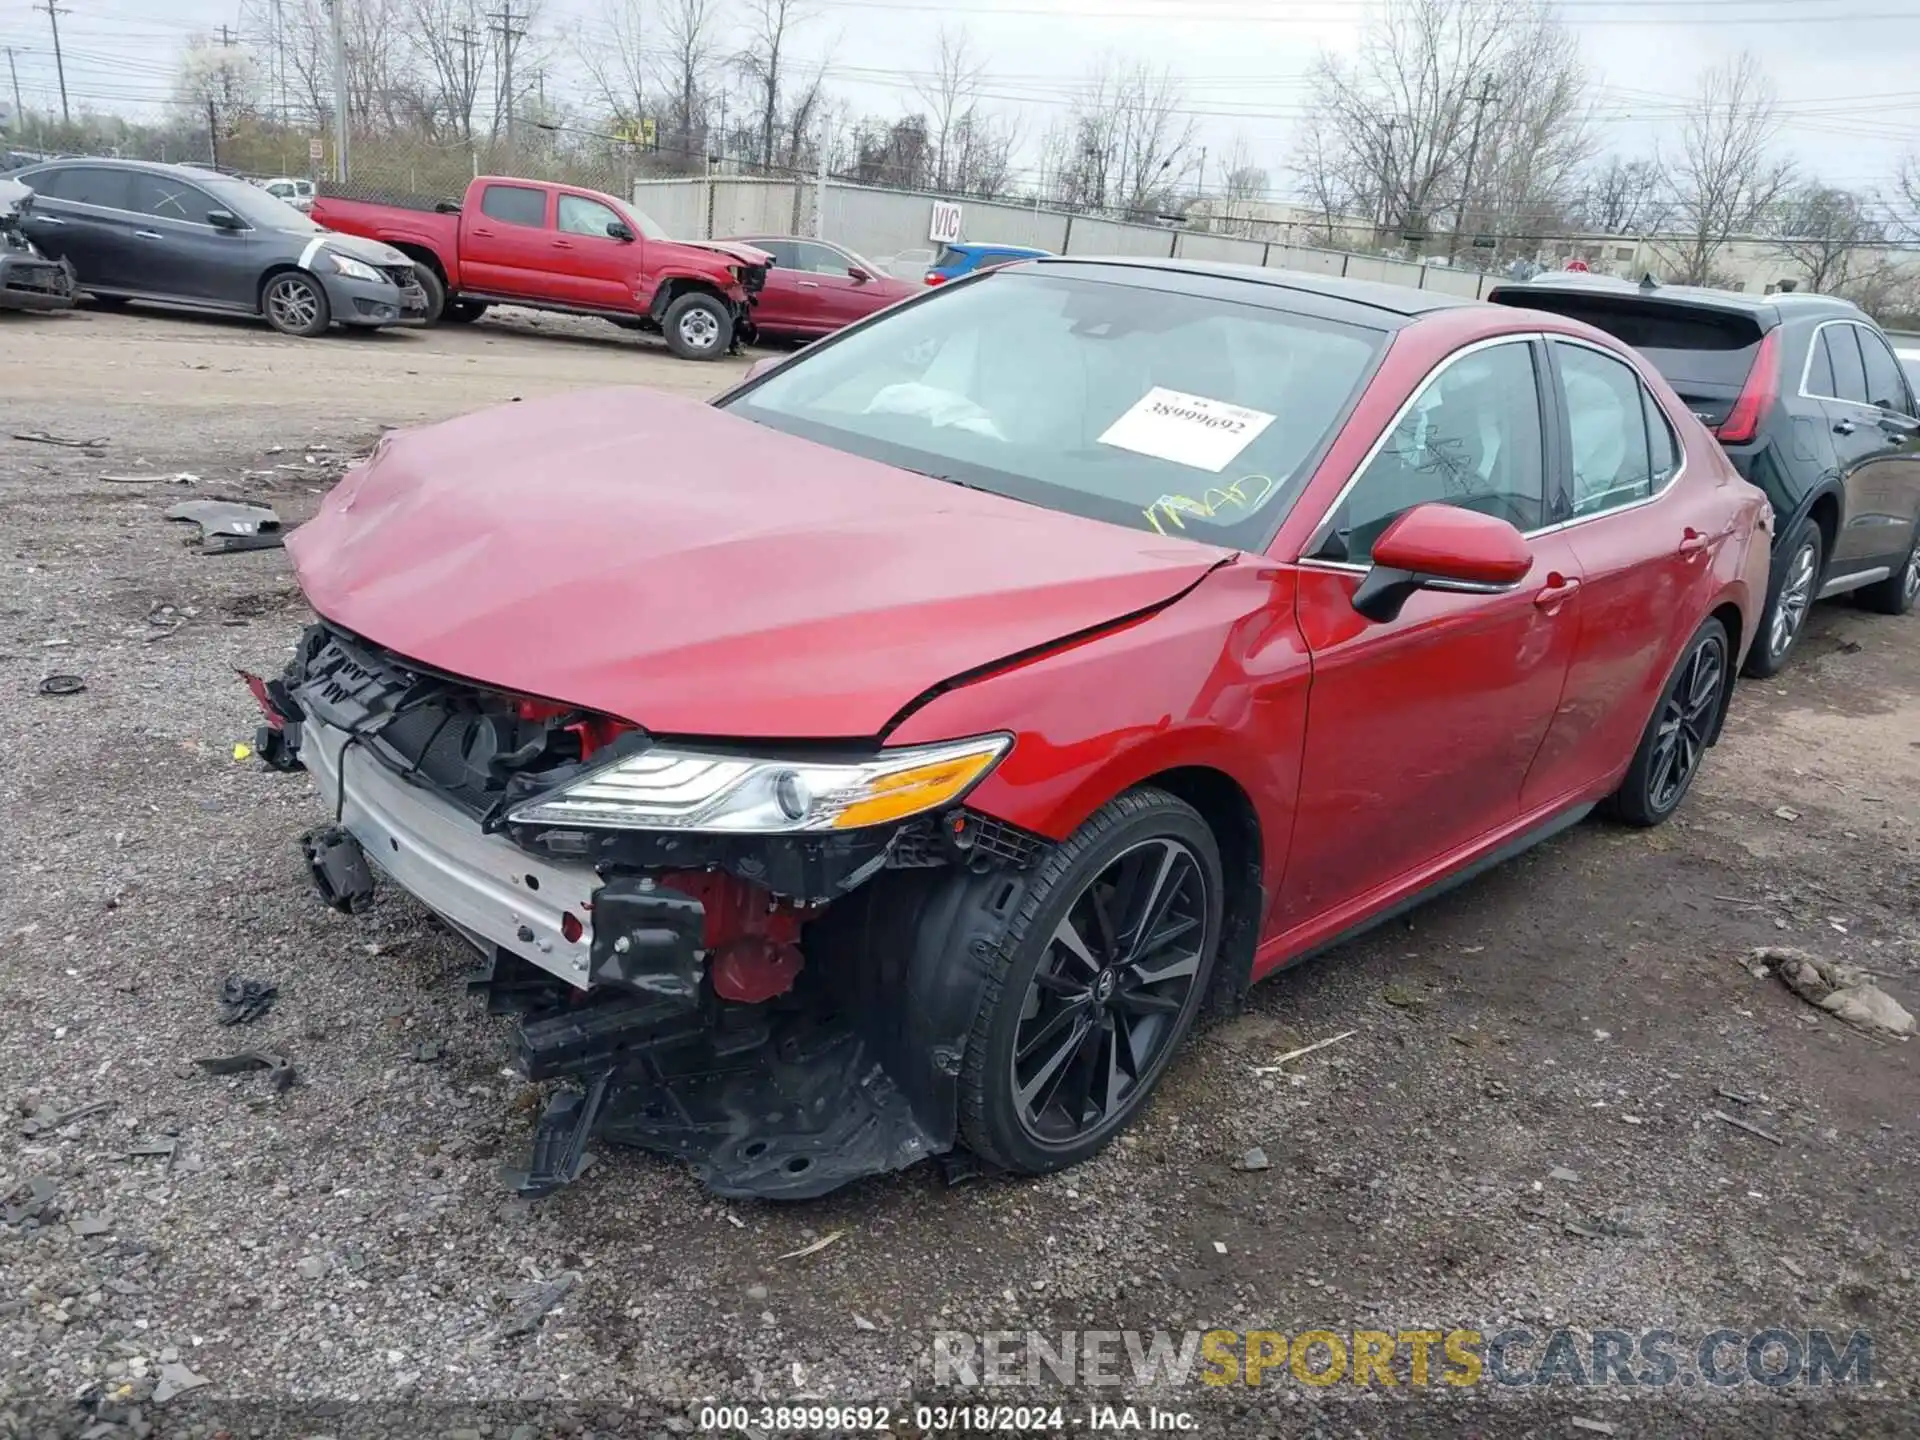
(591, 267)
(1420, 731)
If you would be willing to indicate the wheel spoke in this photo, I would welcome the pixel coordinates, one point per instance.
(1084, 1069)
(1037, 1093)
(1067, 936)
(1163, 891)
(1177, 968)
(1145, 1002)
(1065, 1016)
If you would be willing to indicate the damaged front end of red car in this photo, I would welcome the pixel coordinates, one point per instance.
(784, 1005)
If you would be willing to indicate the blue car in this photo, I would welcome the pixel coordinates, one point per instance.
(953, 261)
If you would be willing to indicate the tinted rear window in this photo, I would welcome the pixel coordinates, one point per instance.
(515, 206)
(1697, 350)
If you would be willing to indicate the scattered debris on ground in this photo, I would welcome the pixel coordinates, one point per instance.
(280, 1071)
(1280, 1062)
(534, 1303)
(1845, 992)
(62, 684)
(43, 437)
(243, 1001)
(1747, 1126)
(227, 526)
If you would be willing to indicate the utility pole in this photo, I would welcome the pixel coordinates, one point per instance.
(54, 12)
(820, 184)
(1480, 103)
(213, 133)
(338, 9)
(13, 69)
(510, 37)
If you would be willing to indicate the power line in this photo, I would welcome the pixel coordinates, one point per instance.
(510, 37)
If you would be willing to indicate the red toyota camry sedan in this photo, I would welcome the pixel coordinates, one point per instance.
(895, 756)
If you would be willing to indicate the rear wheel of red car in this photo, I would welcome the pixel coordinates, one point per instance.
(1677, 736)
(698, 327)
(1103, 970)
(1789, 598)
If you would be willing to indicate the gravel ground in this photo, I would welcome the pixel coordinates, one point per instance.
(1541, 1048)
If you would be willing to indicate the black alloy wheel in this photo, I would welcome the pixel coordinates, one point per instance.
(1684, 724)
(1116, 949)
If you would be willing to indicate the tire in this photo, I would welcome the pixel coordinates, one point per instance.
(295, 304)
(1043, 1053)
(1790, 591)
(1688, 715)
(1896, 594)
(698, 326)
(464, 312)
(436, 293)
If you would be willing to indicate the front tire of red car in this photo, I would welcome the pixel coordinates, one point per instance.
(1098, 981)
(436, 292)
(698, 326)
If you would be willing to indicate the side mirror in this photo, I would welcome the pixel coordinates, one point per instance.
(618, 230)
(1441, 547)
(763, 365)
(224, 220)
(854, 272)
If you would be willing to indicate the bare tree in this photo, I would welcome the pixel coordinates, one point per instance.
(1727, 176)
(951, 91)
(218, 86)
(615, 60)
(449, 38)
(764, 62)
(1623, 197)
(1126, 138)
(1829, 233)
(1441, 88)
(686, 71)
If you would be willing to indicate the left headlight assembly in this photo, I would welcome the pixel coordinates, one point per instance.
(353, 269)
(669, 789)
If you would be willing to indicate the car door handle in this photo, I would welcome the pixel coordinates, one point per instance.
(809, 284)
(147, 234)
(488, 234)
(1693, 542)
(48, 220)
(563, 244)
(1559, 590)
(1843, 427)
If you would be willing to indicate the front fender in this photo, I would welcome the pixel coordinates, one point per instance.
(647, 290)
(1216, 680)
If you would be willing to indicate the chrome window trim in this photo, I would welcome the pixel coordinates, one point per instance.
(1673, 430)
(1806, 369)
(1318, 535)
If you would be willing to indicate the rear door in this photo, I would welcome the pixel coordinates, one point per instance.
(505, 244)
(1837, 376)
(80, 214)
(1889, 495)
(1646, 551)
(1421, 731)
(591, 267)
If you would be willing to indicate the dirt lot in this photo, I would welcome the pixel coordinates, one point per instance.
(1542, 1048)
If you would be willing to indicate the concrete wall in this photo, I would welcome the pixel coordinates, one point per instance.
(882, 223)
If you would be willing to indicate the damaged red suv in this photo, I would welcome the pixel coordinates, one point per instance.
(893, 757)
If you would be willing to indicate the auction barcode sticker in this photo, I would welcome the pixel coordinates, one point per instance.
(1186, 429)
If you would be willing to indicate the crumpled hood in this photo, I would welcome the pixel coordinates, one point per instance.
(373, 252)
(690, 571)
(732, 249)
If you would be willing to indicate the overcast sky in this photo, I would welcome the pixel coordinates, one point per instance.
(1847, 71)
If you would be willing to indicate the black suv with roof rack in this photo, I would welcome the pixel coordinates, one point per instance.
(1806, 397)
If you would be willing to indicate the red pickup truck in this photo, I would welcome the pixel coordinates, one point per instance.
(556, 247)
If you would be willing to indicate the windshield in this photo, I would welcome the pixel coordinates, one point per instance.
(649, 228)
(1150, 408)
(255, 206)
